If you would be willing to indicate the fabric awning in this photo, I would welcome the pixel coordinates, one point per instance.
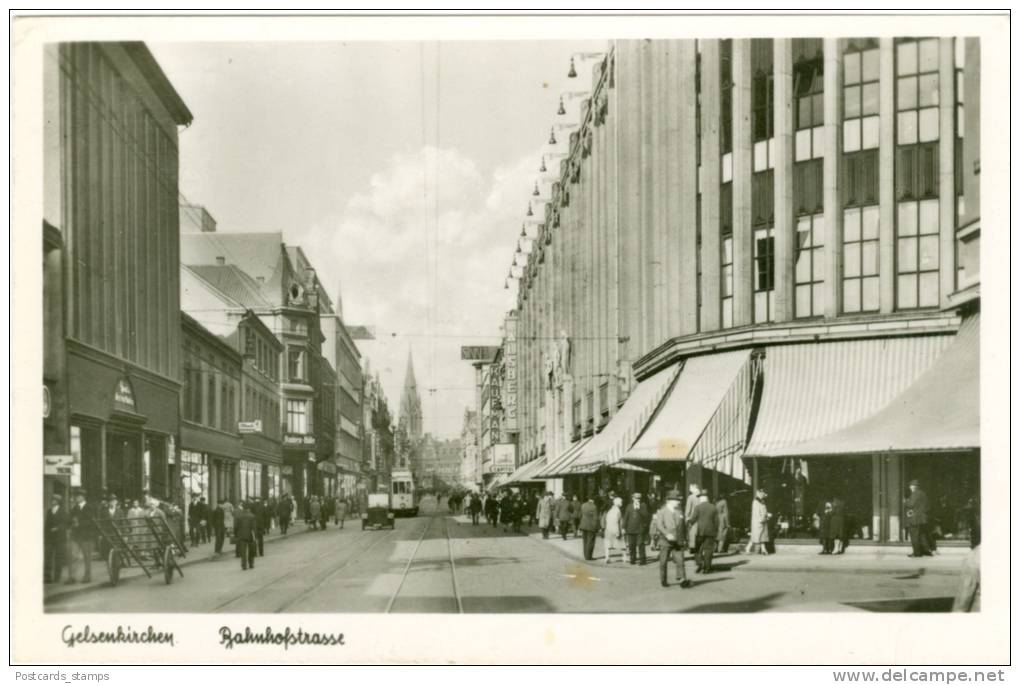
(694, 399)
(526, 472)
(940, 411)
(817, 389)
(606, 448)
(559, 466)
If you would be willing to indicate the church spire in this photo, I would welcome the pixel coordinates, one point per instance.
(410, 402)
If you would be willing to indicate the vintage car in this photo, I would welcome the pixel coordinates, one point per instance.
(378, 514)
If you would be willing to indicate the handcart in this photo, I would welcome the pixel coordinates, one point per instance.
(143, 541)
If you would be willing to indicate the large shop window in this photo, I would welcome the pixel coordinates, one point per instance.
(195, 474)
(157, 478)
(860, 98)
(917, 254)
(297, 416)
(764, 275)
(860, 259)
(86, 448)
(953, 485)
(809, 273)
(917, 91)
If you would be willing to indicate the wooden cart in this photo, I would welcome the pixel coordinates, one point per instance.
(143, 541)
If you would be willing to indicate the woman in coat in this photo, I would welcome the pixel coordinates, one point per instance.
(692, 530)
(613, 529)
(759, 524)
(723, 512)
(544, 514)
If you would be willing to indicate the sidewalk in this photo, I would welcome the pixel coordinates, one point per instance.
(795, 558)
(204, 552)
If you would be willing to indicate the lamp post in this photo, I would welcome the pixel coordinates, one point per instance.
(572, 72)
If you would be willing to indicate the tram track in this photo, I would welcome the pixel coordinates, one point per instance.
(412, 561)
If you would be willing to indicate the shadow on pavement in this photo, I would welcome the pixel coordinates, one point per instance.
(462, 562)
(526, 604)
(748, 606)
(909, 605)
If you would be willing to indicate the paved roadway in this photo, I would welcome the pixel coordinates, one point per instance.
(435, 563)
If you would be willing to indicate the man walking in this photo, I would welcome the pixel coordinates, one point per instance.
(692, 531)
(544, 514)
(244, 536)
(193, 517)
(82, 527)
(55, 541)
(917, 520)
(612, 524)
(635, 523)
(589, 527)
(261, 525)
(669, 524)
(219, 525)
(706, 518)
(283, 510)
(563, 515)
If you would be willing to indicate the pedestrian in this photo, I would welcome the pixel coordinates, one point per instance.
(544, 514)
(262, 521)
(759, 524)
(575, 515)
(589, 525)
(692, 532)
(825, 529)
(563, 515)
(722, 537)
(325, 512)
(219, 526)
(917, 520)
(55, 540)
(669, 523)
(244, 536)
(706, 518)
(532, 505)
(651, 537)
(492, 510)
(135, 509)
(506, 511)
(314, 510)
(341, 512)
(193, 513)
(283, 512)
(519, 505)
(837, 526)
(203, 520)
(110, 511)
(635, 523)
(612, 527)
(475, 507)
(82, 532)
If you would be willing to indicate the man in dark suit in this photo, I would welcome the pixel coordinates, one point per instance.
(55, 540)
(244, 535)
(219, 526)
(283, 511)
(82, 527)
(672, 532)
(635, 524)
(917, 520)
(194, 513)
(589, 527)
(263, 519)
(706, 517)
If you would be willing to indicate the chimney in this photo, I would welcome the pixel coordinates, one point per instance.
(220, 261)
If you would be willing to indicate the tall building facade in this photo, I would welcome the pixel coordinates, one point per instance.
(757, 253)
(112, 331)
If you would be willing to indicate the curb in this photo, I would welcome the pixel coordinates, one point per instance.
(182, 563)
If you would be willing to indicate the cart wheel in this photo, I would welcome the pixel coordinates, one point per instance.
(168, 565)
(113, 566)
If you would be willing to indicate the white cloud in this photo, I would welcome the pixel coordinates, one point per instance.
(429, 272)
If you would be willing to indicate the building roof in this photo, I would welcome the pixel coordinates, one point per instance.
(257, 254)
(233, 282)
(154, 74)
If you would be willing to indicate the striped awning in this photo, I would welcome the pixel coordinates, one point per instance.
(817, 389)
(526, 472)
(609, 446)
(677, 428)
(941, 411)
(560, 466)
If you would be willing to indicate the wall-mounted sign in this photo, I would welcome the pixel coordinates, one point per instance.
(250, 426)
(479, 353)
(504, 457)
(46, 402)
(304, 440)
(58, 464)
(124, 395)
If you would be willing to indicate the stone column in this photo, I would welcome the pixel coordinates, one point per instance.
(887, 176)
(833, 207)
(684, 197)
(785, 225)
(947, 185)
(711, 308)
(743, 244)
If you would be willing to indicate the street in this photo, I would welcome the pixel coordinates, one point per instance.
(438, 563)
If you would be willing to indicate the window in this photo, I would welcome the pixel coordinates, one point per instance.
(959, 62)
(860, 259)
(809, 272)
(224, 405)
(808, 190)
(764, 275)
(295, 364)
(210, 399)
(762, 108)
(297, 416)
(808, 86)
(726, 98)
(860, 97)
(917, 254)
(917, 91)
(726, 276)
(860, 178)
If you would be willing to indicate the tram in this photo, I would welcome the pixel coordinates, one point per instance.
(403, 494)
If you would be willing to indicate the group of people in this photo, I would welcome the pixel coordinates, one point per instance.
(318, 510)
(71, 535)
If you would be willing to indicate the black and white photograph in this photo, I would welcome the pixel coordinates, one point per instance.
(583, 324)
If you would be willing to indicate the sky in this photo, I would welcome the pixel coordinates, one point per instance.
(404, 170)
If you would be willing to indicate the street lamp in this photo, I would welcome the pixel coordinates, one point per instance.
(572, 73)
(570, 95)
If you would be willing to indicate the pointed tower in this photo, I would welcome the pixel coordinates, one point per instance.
(410, 403)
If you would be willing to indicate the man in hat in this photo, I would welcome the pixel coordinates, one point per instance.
(244, 534)
(706, 518)
(55, 540)
(589, 527)
(668, 524)
(917, 520)
(635, 523)
(83, 535)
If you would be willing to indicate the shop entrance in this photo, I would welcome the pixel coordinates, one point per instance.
(123, 464)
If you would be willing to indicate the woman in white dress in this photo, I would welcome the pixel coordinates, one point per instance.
(759, 524)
